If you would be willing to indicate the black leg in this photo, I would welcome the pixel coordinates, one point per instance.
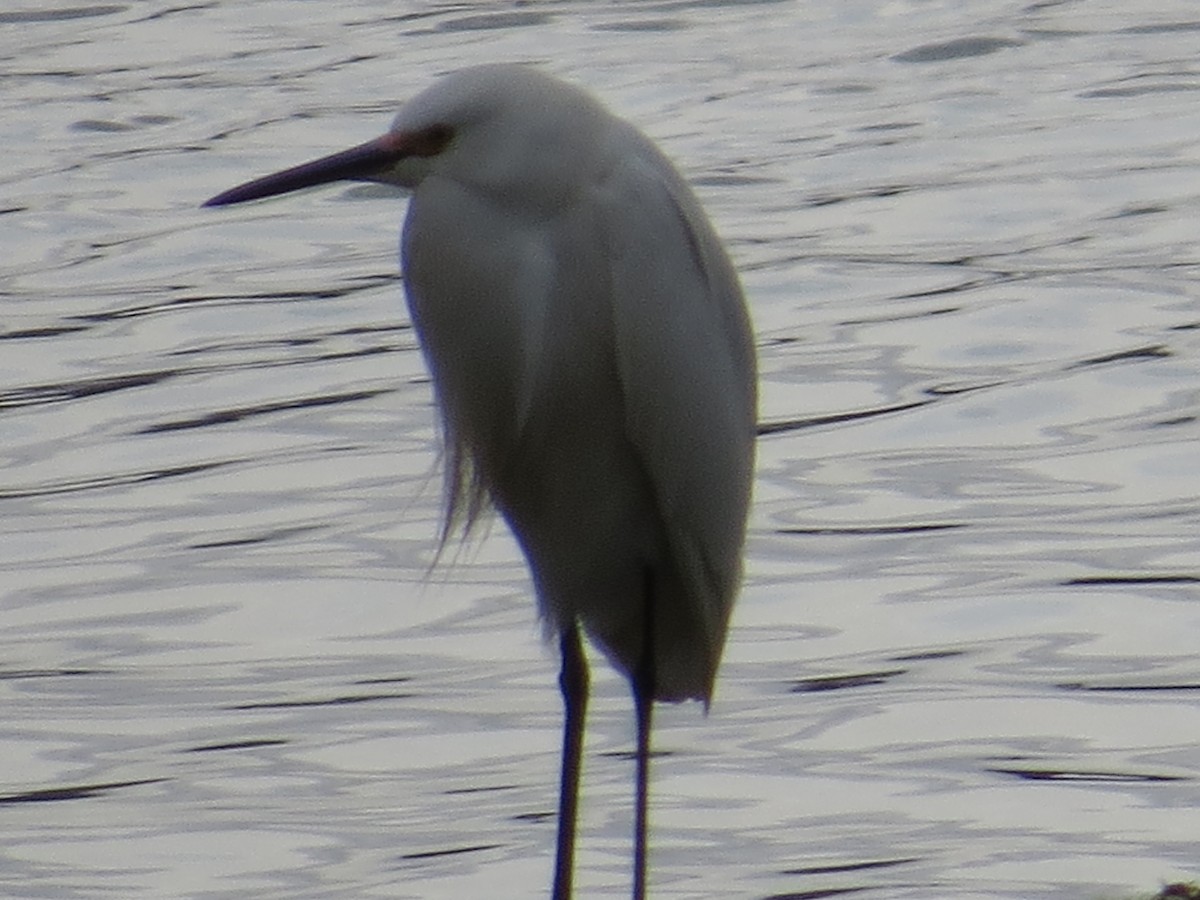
(644, 704)
(573, 680)
(643, 701)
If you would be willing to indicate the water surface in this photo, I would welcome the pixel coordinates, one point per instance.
(963, 664)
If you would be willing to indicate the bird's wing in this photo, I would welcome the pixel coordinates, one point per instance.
(479, 296)
(685, 358)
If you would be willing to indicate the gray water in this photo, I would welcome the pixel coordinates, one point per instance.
(964, 661)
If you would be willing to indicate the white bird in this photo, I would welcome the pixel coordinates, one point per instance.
(592, 360)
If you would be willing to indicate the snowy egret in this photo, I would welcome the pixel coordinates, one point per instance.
(593, 364)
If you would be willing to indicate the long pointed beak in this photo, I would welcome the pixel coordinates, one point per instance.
(361, 163)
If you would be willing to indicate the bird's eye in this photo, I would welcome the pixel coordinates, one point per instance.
(431, 141)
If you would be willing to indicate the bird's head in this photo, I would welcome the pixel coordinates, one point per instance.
(508, 130)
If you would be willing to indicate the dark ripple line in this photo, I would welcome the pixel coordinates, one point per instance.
(927, 655)
(22, 17)
(1117, 580)
(839, 682)
(1152, 351)
(454, 851)
(290, 342)
(819, 893)
(19, 674)
(782, 425)
(1066, 775)
(237, 414)
(85, 322)
(873, 530)
(74, 792)
(107, 481)
(250, 744)
(356, 285)
(279, 534)
(43, 331)
(851, 867)
(1116, 688)
(344, 700)
(957, 48)
(62, 392)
